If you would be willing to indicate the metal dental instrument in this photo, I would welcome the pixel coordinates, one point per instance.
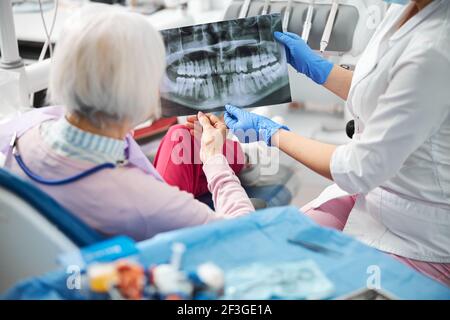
(265, 9)
(178, 250)
(8, 154)
(314, 247)
(41, 180)
(287, 15)
(308, 22)
(329, 26)
(244, 9)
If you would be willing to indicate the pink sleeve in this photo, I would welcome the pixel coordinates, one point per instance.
(230, 199)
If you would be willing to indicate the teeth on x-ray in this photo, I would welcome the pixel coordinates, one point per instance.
(235, 74)
(229, 62)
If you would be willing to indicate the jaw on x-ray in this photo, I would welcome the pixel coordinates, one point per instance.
(235, 62)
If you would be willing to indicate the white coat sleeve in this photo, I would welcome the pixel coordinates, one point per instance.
(413, 107)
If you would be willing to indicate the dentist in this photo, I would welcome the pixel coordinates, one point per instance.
(392, 181)
(104, 81)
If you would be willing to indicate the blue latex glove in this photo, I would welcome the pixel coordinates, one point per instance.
(303, 59)
(250, 127)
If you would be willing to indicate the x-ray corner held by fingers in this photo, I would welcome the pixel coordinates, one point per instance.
(236, 62)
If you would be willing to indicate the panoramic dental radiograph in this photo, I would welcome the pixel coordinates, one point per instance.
(236, 62)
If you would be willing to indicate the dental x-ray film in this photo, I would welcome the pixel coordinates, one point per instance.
(237, 62)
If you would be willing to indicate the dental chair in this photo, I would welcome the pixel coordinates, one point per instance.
(269, 191)
(34, 231)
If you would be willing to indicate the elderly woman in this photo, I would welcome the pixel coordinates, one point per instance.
(106, 73)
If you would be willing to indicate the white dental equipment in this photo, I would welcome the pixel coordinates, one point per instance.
(286, 16)
(10, 51)
(266, 7)
(308, 22)
(244, 9)
(329, 26)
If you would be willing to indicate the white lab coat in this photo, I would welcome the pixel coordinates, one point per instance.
(398, 162)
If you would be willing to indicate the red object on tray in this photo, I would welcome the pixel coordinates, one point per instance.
(157, 127)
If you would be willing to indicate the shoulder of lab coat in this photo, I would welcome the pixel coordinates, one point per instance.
(412, 109)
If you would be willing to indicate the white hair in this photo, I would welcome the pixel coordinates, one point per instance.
(108, 65)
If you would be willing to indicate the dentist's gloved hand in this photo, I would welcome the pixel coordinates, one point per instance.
(241, 122)
(303, 58)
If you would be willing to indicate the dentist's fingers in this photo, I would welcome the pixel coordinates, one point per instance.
(232, 115)
(189, 125)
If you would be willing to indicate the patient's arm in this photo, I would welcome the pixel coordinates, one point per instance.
(339, 81)
(228, 195)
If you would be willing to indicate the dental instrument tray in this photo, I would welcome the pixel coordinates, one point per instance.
(228, 62)
(343, 29)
